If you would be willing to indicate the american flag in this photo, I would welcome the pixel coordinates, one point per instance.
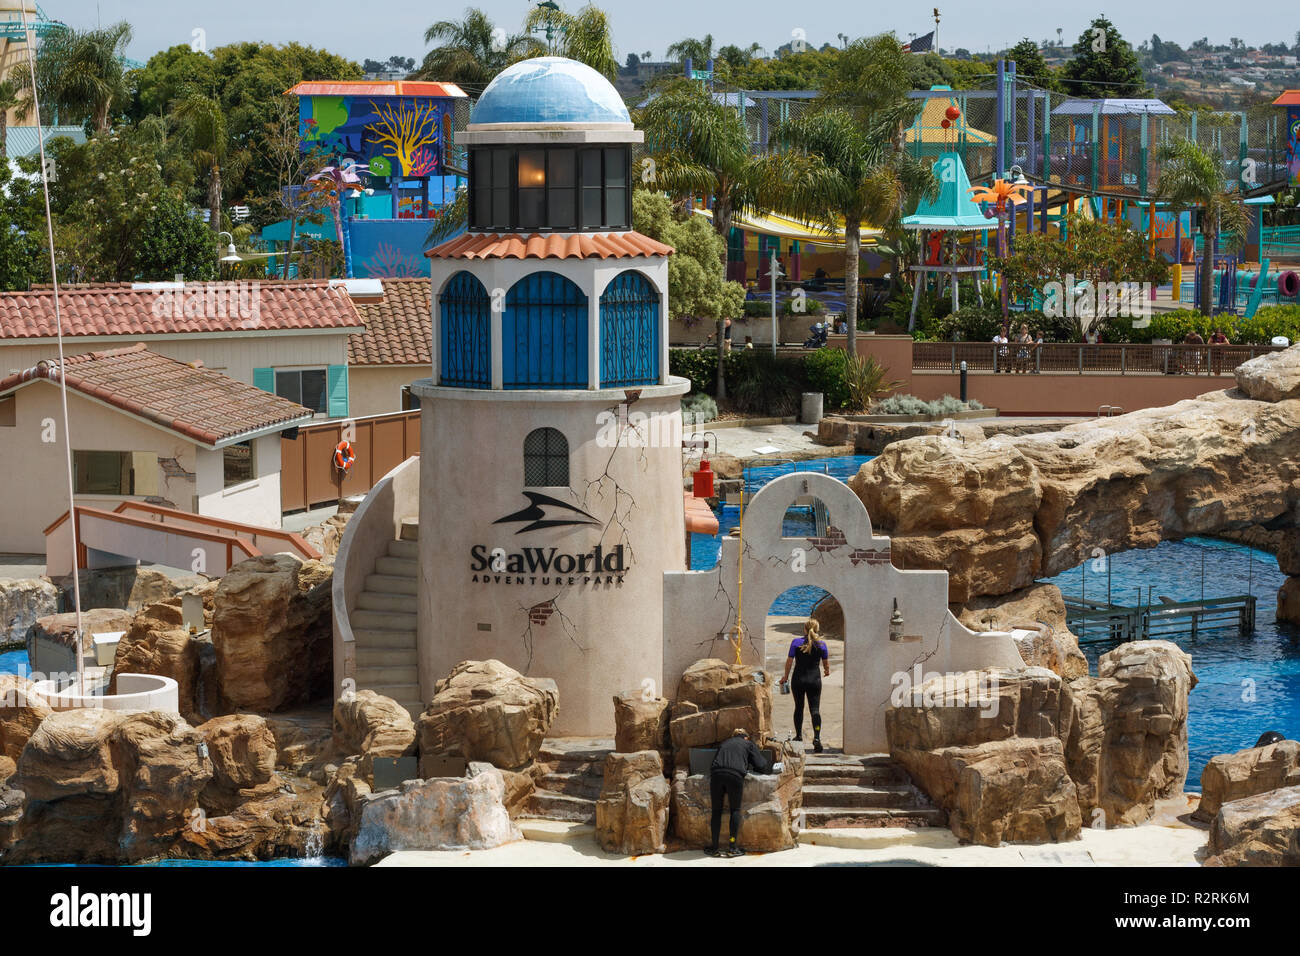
(921, 44)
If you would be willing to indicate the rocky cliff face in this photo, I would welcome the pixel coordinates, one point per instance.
(997, 514)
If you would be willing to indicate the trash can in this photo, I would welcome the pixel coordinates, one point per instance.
(810, 410)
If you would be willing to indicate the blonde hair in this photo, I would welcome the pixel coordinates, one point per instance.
(811, 631)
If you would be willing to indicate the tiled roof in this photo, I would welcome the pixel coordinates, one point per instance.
(374, 88)
(567, 245)
(118, 308)
(198, 403)
(399, 327)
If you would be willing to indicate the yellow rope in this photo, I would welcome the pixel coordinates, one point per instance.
(740, 573)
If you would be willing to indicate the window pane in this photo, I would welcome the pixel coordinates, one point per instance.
(313, 389)
(237, 461)
(102, 472)
(482, 208)
(532, 168)
(500, 167)
(559, 164)
(289, 385)
(546, 459)
(500, 207)
(591, 215)
(530, 208)
(480, 170)
(563, 212)
(615, 213)
(590, 167)
(615, 167)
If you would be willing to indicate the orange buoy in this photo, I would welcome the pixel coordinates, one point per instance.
(344, 456)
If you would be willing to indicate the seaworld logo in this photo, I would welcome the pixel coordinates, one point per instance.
(544, 511)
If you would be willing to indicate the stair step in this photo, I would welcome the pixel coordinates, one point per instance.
(404, 548)
(379, 601)
(381, 638)
(853, 775)
(392, 584)
(402, 567)
(561, 806)
(385, 620)
(822, 817)
(407, 674)
(406, 694)
(368, 657)
(410, 528)
(573, 785)
(550, 753)
(835, 796)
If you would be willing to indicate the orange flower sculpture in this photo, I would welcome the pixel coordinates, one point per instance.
(1001, 193)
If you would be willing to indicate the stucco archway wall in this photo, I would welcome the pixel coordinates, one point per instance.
(1000, 513)
(700, 607)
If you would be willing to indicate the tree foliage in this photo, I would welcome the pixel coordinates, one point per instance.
(1103, 65)
(697, 284)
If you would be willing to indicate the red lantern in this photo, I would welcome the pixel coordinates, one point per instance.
(703, 481)
(945, 123)
(952, 112)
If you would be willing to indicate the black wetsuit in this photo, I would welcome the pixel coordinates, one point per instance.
(736, 756)
(806, 684)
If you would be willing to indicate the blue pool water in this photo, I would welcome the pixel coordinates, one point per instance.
(706, 548)
(1245, 684)
(13, 662)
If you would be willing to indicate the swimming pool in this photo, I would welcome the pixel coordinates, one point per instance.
(1246, 684)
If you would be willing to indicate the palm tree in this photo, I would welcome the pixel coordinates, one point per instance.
(840, 169)
(1192, 178)
(700, 146)
(583, 36)
(204, 123)
(8, 101)
(81, 73)
(699, 51)
(471, 51)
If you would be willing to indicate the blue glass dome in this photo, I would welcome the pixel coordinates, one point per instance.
(550, 89)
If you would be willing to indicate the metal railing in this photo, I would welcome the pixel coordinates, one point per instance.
(1082, 358)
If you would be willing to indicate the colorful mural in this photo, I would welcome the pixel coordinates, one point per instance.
(1293, 143)
(393, 135)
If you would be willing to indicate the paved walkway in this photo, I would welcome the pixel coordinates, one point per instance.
(788, 441)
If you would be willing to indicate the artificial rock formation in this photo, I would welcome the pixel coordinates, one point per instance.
(1246, 773)
(770, 805)
(829, 616)
(632, 810)
(157, 642)
(714, 700)
(640, 724)
(20, 714)
(1000, 513)
(21, 603)
(1262, 830)
(60, 628)
(444, 813)
(484, 710)
(271, 631)
(1039, 608)
(242, 752)
(372, 725)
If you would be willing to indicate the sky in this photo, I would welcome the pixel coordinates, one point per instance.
(359, 30)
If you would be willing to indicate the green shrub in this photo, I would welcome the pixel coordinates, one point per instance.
(827, 371)
(698, 365)
(697, 409)
(760, 383)
(911, 405)
(866, 380)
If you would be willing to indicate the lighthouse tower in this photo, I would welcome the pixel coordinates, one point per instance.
(550, 472)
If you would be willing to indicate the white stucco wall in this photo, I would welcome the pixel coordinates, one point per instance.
(700, 606)
(377, 389)
(252, 502)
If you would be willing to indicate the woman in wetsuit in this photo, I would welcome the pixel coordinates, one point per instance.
(810, 658)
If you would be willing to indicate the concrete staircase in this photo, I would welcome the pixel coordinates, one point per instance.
(384, 623)
(841, 790)
(569, 773)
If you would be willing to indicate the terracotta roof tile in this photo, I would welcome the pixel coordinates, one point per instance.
(126, 309)
(198, 403)
(399, 327)
(579, 245)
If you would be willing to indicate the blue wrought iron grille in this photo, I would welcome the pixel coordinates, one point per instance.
(629, 332)
(466, 351)
(544, 333)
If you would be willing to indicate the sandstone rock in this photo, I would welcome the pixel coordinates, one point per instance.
(1287, 548)
(271, 631)
(1040, 608)
(21, 603)
(770, 806)
(1263, 830)
(275, 825)
(20, 714)
(1288, 600)
(59, 628)
(1014, 790)
(344, 794)
(484, 710)
(156, 642)
(714, 700)
(1126, 745)
(304, 738)
(242, 751)
(830, 618)
(640, 724)
(701, 682)
(374, 725)
(1271, 378)
(439, 814)
(7, 769)
(1000, 513)
(519, 785)
(976, 707)
(326, 536)
(1246, 773)
(632, 811)
(70, 754)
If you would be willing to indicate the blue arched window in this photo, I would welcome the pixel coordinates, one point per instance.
(465, 351)
(544, 333)
(629, 331)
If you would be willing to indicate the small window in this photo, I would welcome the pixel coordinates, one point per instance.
(102, 473)
(546, 459)
(304, 386)
(8, 412)
(237, 463)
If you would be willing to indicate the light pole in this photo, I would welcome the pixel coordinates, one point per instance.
(232, 255)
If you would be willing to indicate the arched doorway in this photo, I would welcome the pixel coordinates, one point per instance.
(629, 331)
(784, 626)
(465, 349)
(544, 333)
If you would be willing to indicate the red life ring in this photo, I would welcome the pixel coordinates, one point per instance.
(344, 456)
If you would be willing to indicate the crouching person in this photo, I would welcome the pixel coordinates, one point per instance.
(736, 757)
